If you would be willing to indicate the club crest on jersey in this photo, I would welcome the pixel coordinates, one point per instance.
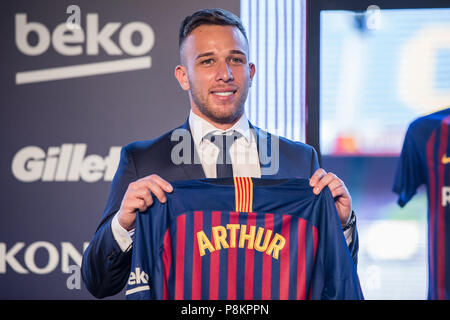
(237, 235)
(445, 159)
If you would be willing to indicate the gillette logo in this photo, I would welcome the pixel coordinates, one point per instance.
(70, 41)
(66, 163)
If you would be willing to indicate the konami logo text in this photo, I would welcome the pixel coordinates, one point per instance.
(10, 257)
(70, 41)
(66, 163)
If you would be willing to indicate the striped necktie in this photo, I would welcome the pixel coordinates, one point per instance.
(224, 168)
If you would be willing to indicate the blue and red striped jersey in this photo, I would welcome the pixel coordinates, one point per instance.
(425, 159)
(242, 238)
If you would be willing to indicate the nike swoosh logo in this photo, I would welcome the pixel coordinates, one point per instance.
(445, 159)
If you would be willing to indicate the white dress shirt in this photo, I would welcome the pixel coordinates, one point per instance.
(243, 151)
(244, 158)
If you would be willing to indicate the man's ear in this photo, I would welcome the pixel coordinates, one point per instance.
(181, 75)
(252, 72)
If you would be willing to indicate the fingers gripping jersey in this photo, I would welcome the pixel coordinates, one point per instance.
(242, 238)
(425, 159)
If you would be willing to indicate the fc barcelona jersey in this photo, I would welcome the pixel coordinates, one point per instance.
(242, 238)
(425, 159)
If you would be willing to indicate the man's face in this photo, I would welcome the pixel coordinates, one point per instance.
(216, 72)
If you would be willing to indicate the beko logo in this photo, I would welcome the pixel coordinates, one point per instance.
(70, 41)
(66, 163)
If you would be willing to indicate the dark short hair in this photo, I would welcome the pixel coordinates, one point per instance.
(216, 16)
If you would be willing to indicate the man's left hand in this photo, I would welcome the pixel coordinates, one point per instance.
(320, 179)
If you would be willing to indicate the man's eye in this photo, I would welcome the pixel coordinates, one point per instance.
(207, 61)
(237, 60)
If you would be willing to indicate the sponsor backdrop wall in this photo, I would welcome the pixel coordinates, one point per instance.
(79, 80)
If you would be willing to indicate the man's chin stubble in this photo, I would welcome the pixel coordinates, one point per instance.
(222, 119)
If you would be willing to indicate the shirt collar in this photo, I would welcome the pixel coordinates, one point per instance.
(200, 127)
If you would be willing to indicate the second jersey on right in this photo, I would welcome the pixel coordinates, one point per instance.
(425, 159)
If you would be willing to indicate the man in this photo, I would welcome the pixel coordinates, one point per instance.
(216, 74)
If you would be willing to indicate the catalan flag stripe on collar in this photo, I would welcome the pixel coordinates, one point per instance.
(243, 187)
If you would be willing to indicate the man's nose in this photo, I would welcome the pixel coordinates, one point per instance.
(224, 72)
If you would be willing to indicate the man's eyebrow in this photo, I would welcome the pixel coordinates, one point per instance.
(210, 53)
(237, 52)
(206, 54)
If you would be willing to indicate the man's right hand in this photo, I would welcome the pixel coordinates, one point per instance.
(139, 196)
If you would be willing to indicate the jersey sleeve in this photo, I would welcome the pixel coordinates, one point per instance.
(146, 279)
(409, 174)
(335, 276)
(139, 282)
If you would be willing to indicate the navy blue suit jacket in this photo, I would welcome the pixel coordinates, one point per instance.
(105, 268)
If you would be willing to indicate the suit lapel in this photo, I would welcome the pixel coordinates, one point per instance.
(266, 154)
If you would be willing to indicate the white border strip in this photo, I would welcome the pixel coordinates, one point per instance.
(83, 70)
(138, 289)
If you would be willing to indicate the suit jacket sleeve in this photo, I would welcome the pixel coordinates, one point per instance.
(105, 267)
(354, 246)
